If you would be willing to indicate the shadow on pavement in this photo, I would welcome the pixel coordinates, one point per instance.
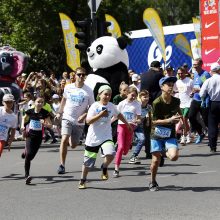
(129, 189)
(194, 189)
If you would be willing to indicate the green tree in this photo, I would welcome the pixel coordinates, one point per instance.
(33, 26)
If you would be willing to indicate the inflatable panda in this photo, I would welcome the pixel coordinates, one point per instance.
(109, 61)
(12, 64)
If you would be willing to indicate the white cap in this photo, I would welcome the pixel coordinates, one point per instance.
(215, 67)
(135, 77)
(55, 96)
(8, 97)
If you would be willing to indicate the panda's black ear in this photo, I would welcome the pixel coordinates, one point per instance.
(123, 41)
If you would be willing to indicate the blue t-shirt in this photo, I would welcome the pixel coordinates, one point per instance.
(199, 79)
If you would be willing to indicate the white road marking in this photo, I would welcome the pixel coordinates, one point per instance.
(48, 188)
(105, 182)
(209, 171)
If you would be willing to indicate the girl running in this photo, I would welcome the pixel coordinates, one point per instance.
(131, 110)
(99, 134)
(33, 124)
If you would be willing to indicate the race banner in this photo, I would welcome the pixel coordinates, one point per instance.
(154, 24)
(114, 29)
(182, 43)
(210, 29)
(69, 30)
(197, 29)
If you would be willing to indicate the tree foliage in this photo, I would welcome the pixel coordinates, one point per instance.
(33, 26)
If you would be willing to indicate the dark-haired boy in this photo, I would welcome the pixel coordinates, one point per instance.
(166, 113)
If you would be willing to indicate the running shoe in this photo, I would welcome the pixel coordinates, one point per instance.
(82, 184)
(153, 186)
(132, 160)
(213, 150)
(116, 173)
(188, 139)
(199, 138)
(28, 180)
(183, 140)
(23, 155)
(104, 175)
(61, 169)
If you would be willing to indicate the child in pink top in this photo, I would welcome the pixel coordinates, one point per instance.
(131, 110)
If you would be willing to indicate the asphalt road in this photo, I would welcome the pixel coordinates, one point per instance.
(189, 188)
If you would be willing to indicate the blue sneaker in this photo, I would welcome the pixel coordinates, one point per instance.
(61, 169)
(199, 138)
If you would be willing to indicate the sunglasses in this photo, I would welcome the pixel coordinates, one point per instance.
(81, 74)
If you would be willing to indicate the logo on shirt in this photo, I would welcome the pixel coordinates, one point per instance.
(78, 99)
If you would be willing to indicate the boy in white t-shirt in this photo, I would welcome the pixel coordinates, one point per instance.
(183, 89)
(8, 120)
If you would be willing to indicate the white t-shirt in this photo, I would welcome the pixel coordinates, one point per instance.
(55, 106)
(7, 120)
(184, 88)
(129, 110)
(100, 130)
(77, 102)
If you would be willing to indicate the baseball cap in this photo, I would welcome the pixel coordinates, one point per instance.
(8, 97)
(55, 96)
(103, 88)
(135, 77)
(215, 67)
(155, 63)
(167, 79)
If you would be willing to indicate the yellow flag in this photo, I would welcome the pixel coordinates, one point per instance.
(197, 29)
(182, 43)
(154, 24)
(114, 29)
(69, 30)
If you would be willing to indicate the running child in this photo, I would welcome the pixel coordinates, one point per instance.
(142, 132)
(100, 134)
(131, 110)
(33, 124)
(166, 113)
(8, 122)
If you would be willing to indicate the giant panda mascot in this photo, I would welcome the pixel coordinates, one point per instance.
(109, 61)
(12, 64)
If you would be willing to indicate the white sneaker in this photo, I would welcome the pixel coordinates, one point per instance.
(188, 139)
(183, 140)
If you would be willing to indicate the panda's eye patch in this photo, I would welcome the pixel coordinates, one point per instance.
(99, 49)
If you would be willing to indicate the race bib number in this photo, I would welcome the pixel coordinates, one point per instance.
(162, 132)
(3, 130)
(129, 116)
(35, 125)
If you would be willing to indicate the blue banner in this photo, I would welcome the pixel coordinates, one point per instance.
(144, 50)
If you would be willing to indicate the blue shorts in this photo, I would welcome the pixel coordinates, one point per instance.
(158, 145)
